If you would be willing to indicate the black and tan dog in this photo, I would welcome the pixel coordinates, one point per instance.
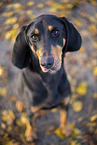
(40, 48)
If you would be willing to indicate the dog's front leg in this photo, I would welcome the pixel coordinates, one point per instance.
(64, 125)
(30, 133)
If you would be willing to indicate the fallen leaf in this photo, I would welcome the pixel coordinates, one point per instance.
(14, 6)
(77, 106)
(1, 4)
(82, 50)
(95, 71)
(30, 14)
(3, 91)
(8, 14)
(15, 26)
(93, 2)
(11, 34)
(78, 23)
(1, 71)
(59, 133)
(40, 6)
(73, 143)
(53, 10)
(95, 95)
(93, 118)
(8, 116)
(11, 20)
(92, 28)
(82, 88)
(30, 3)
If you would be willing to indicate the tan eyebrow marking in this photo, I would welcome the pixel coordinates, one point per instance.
(36, 31)
(50, 28)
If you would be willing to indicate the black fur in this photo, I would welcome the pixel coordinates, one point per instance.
(38, 88)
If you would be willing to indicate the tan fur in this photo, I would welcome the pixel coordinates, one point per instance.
(66, 100)
(36, 31)
(63, 117)
(39, 52)
(50, 28)
(32, 48)
(35, 109)
(64, 42)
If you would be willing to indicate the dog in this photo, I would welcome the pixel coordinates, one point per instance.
(39, 52)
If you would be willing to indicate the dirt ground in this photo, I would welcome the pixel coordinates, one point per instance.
(81, 68)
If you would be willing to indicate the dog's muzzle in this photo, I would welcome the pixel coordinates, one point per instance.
(47, 62)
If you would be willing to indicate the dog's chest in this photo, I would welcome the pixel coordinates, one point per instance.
(48, 90)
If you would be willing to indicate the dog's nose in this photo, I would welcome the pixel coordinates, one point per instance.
(47, 62)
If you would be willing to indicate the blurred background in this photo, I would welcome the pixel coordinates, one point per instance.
(81, 68)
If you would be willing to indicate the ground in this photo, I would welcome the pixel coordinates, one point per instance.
(81, 68)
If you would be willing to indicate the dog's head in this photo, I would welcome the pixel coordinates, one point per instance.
(48, 37)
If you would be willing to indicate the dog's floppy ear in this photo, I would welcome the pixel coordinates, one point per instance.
(21, 50)
(73, 37)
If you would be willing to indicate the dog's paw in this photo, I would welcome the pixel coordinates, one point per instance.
(19, 106)
(67, 130)
(30, 134)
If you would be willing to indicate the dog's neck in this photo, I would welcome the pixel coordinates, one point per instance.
(48, 76)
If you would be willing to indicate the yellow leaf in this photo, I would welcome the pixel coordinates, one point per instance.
(93, 118)
(69, 6)
(78, 23)
(72, 125)
(11, 114)
(76, 132)
(22, 121)
(30, 14)
(77, 106)
(82, 88)
(8, 14)
(59, 133)
(73, 143)
(15, 26)
(95, 71)
(77, 1)
(15, 6)
(8, 116)
(1, 71)
(11, 34)
(56, 5)
(92, 28)
(8, 143)
(93, 2)
(30, 3)
(95, 44)
(53, 10)
(11, 20)
(40, 6)
(95, 96)
(3, 91)
(82, 49)
(1, 4)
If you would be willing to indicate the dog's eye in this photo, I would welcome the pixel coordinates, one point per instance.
(55, 33)
(34, 37)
